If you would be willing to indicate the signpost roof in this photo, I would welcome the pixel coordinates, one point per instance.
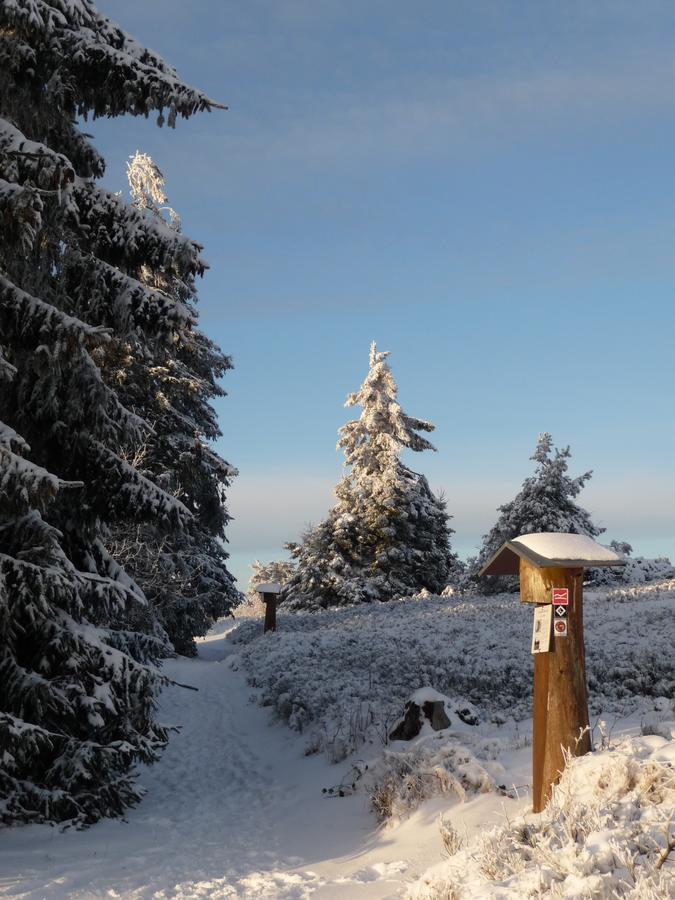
(550, 550)
(273, 587)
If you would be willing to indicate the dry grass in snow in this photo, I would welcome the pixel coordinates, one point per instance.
(608, 832)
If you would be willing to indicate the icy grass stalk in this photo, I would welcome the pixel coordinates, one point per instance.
(607, 833)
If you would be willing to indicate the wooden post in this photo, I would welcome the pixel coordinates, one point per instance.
(270, 612)
(560, 703)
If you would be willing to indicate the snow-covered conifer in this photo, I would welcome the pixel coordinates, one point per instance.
(77, 692)
(183, 573)
(546, 502)
(388, 535)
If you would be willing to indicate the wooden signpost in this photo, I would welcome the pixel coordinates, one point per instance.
(551, 567)
(269, 594)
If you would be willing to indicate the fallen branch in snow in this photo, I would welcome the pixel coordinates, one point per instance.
(188, 687)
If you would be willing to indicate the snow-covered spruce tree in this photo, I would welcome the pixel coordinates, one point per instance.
(77, 695)
(388, 535)
(183, 574)
(546, 502)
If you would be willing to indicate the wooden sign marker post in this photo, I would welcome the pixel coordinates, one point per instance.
(269, 594)
(551, 568)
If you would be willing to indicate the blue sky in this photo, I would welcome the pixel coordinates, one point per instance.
(486, 189)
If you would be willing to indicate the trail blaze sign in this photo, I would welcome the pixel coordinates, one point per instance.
(560, 627)
(561, 595)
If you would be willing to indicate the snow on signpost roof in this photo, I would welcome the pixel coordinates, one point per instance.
(551, 550)
(272, 587)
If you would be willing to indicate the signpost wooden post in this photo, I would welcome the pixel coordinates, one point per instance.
(269, 594)
(551, 567)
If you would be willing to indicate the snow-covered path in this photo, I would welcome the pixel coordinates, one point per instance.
(233, 809)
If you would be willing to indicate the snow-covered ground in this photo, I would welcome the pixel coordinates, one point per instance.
(341, 677)
(235, 807)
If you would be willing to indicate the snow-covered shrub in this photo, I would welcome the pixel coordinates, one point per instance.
(452, 839)
(605, 834)
(343, 676)
(638, 570)
(438, 764)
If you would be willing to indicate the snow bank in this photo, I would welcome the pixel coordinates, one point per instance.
(342, 676)
(604, 835)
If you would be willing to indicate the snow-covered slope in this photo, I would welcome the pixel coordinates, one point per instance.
(607, 833)
(235, 809)
(342, 676)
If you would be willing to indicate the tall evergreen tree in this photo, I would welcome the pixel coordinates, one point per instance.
(388, 535)
(77, 691)
(183, 574)
(546, 502)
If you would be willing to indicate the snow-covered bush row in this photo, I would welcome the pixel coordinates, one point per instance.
(342, 676)
(605, 834)
(657, 590)
(638, 570)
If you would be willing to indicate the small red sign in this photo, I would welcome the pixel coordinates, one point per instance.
(561, 596)
(560, 627)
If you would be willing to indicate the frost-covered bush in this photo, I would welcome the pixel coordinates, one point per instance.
(605, 834)
(438, 764)
(343, 676)
(638, 570)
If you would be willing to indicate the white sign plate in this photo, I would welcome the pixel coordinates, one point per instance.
(541, 629)
(560, 627)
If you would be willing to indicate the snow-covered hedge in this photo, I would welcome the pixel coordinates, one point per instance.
(342, 676)
(605, 834)
(638, 570)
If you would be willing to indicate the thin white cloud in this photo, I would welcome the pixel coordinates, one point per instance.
(421, 115)
(272, 509)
